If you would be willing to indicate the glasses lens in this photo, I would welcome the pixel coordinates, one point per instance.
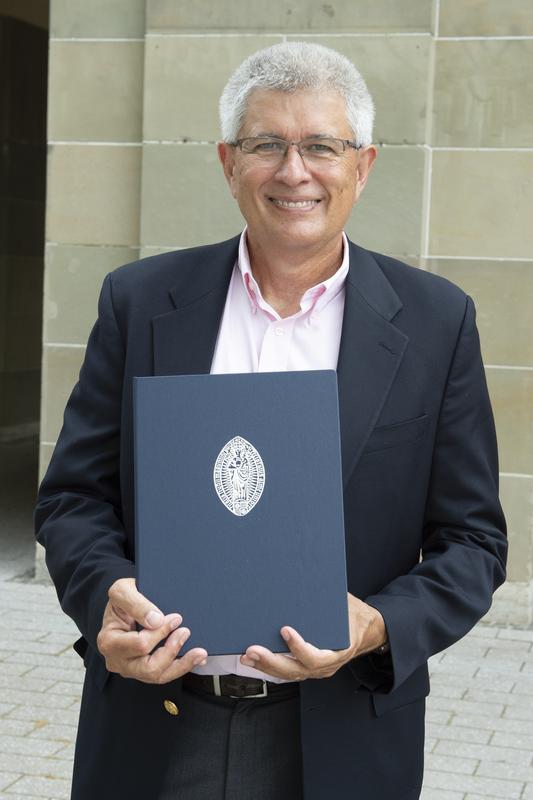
(321, 149)
(264, 146)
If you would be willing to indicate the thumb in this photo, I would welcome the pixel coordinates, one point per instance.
(123, 595)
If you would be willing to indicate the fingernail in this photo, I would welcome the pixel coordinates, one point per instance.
(286, 635)
(154, 618)
(184, 636)
(175, 623)
(247, 661)
(201, 661)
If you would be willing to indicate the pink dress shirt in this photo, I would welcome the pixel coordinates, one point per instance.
(254, 338)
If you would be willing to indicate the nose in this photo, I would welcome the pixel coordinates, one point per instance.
(292, 169)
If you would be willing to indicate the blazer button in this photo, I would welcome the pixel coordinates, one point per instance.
(171, 708)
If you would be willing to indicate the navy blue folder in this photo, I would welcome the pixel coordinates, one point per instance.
(239, 508)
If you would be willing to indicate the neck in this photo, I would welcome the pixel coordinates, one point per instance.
(284, 276)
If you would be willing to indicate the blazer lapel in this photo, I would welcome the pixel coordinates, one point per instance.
(370, 353)
(184, 339)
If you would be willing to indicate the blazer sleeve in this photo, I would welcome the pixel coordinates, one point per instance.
(464, 544)
(78, 513)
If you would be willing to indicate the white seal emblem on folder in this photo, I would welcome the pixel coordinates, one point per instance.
(239, 476)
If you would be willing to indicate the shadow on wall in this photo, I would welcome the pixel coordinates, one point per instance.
(23, 97)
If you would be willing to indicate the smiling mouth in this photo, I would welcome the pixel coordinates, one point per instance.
(298, 204)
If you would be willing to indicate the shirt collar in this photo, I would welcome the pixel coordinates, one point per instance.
(313, 301)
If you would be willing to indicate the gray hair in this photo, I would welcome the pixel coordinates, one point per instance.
(288, 67)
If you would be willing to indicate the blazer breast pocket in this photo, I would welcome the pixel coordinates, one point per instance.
(387, 436)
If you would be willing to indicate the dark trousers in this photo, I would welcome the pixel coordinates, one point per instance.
(231, 749)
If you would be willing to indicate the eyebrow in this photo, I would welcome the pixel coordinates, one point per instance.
(263, 134)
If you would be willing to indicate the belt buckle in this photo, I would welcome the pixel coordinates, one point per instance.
(264, 693)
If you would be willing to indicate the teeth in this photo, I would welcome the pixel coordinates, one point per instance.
(294, 203)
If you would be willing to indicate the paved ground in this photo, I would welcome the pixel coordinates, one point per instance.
(479, 718)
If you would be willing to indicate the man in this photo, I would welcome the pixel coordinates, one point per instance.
(425, 536)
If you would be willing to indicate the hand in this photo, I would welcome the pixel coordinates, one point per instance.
(367, 631)
(129, 652)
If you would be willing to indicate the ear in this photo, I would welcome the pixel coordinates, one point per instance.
(226, 154)
(367, 156)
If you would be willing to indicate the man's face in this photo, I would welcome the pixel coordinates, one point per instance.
(264, 190)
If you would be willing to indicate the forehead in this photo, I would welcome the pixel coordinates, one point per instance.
(302, 113)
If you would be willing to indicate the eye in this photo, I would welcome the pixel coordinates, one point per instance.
(268, 146)
(321, 148)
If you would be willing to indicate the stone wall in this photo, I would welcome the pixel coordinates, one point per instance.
(132, 170)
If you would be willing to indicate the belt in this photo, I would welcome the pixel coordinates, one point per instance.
(237, 686)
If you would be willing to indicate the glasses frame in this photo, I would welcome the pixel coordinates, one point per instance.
(345, 143)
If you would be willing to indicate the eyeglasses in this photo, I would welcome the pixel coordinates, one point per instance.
(316, 150)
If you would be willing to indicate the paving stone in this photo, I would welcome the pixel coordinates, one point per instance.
(471, 796)
(7, 778)
(11, 796)
(24, 683)
(440, 794)
(515, 633)
(16, 643)
(58, 636)
(457, 734)
(444, 763)
(523, 685)
(497, 673)
(73, 690)
(36, 765)
(4, 654)
(509, 645)
(54, 788)
(502, 739)
(25, 746)
(495, 755)
(484, 631)
(7, 669)
(447, 690)
(53, 732)
(460, 669)
(484, 722)
(40, 699)
(519, 711)
(502, 770)
(15, 727)
(505, 698)
(464, 707)
(67, 751)
(39, 714)
(60, 673)
(492, 683)
(437, 716)
(472, 783)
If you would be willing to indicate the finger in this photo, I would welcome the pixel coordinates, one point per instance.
(309, 655)
(124, 596)
(118, 644)
(164, 665)
(180, 666)
(117, 621)
(277, 664)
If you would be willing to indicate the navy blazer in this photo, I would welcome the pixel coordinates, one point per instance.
(425, 534)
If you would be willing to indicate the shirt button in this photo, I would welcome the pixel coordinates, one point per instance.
(279, 331)
(171, 708)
